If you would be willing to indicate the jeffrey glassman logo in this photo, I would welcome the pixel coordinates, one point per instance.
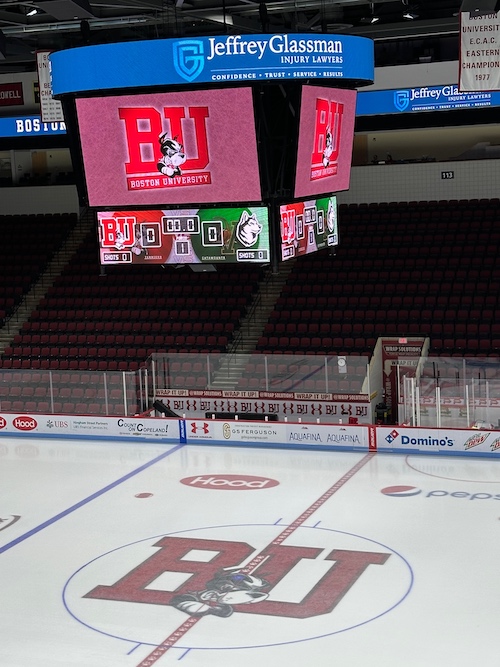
(188, 58)
(401, 99)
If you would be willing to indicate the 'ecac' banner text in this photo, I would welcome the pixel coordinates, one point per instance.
(479, 52)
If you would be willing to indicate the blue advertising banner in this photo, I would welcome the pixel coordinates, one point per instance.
(219, 59)
(425, 98)
(29, 126)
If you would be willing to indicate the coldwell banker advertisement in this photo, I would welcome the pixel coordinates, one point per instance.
(219, 59)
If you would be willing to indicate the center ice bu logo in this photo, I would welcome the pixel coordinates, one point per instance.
(222, 584)
(401, 99)
(188, 58)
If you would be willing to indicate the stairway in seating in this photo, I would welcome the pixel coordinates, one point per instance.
(233, 364)
(54, 268)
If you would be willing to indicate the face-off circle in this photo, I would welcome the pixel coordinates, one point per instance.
(315, 582)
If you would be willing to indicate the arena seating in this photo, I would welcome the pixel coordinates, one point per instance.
(28, 243)
(114, 321)
(402, 268)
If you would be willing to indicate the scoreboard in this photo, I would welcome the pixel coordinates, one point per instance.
(185, 236)
(308, 226)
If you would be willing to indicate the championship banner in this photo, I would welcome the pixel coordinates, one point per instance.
(51, 109)
(479, 52)
(185, 236)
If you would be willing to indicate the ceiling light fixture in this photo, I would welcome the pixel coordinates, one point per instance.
(372, 18)
(32, 12)
(410, 12)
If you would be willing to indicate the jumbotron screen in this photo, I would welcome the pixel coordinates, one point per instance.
(308, 226)
(184, 236)
(326, 132)
(158, 149)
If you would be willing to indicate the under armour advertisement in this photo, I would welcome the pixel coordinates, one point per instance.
(170, 148)
(184, 236)
(326, 132)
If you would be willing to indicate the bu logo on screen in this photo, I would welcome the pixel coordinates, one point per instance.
(327, 135)
(188, 58)
(159, 156)
(401, 99)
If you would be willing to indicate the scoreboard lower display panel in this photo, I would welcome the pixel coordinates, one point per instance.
(185, 236)
(308, 226)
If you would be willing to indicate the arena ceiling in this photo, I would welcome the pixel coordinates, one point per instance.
(31, 25)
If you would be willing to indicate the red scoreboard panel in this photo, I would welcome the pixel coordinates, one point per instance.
(185, 236)
(308, 226)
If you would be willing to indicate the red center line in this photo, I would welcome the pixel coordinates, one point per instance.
(192, 620)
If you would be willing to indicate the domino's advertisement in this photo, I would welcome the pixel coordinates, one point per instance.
(400, 439)
(218, 59)
(425, 98)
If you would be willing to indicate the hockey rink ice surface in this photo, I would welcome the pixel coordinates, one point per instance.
(133, 555)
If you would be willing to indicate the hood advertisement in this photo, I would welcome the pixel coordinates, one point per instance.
(56, 426)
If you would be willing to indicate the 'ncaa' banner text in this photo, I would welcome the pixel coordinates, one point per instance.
(479, 52)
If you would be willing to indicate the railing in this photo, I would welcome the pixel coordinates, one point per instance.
(67, 392)
(258, 372)
(451, 392)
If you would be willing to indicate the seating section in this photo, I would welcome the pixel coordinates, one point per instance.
(91, 320)
(402, 269)
(28, 243)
